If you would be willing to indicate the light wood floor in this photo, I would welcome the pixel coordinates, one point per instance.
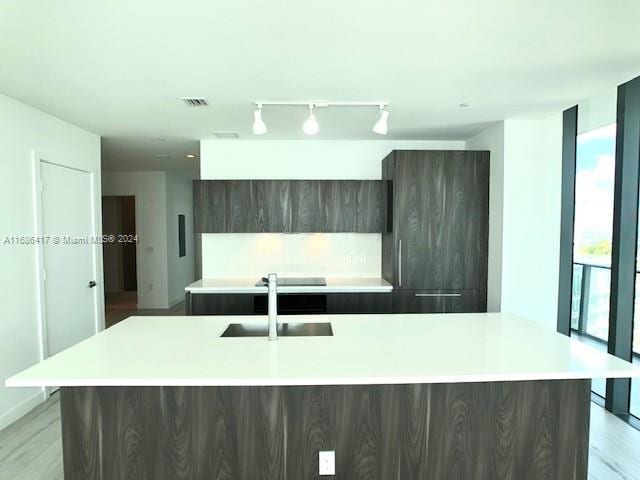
(119, 311)
(31, 448)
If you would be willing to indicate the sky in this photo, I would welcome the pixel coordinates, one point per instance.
(595, 171)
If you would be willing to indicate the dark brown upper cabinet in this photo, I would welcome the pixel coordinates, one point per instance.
(440, 217)
(273, 205)
(210, 206)
(242, 211)
(370, 208)
(307, 206)
(249, 206)
(339, 199)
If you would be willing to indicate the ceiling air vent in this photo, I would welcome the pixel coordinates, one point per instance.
(195, 101)
(226, 135)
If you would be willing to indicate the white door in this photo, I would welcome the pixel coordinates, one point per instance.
(70, 310)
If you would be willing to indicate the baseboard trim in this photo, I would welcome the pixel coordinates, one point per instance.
(176, 302)
(20, 410)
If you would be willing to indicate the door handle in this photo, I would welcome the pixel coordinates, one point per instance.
(400, 263)
(438, 294)
(92, 283)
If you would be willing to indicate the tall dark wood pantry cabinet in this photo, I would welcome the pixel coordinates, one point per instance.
(435, 244)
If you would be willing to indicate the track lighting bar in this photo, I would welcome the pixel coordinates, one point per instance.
(321, 104)
(311, 126)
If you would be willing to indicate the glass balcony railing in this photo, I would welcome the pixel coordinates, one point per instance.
(590, 305)
(590, 302)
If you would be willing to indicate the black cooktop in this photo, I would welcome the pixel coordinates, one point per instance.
(296, 282)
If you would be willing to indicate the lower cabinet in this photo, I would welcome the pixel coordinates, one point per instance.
(221, 304)
(289, 304)
(439, 301)
(359, 303)
(400, 301)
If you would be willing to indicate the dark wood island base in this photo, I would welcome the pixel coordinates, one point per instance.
(476, 431)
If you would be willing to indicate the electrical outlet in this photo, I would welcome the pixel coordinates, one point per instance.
(327, 462)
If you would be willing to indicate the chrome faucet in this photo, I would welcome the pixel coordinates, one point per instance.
(272, 287)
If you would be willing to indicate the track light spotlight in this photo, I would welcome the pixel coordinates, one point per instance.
(259, 127)
(310, 126)
(381, 127)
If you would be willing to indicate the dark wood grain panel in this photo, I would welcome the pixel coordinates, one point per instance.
(467, 225)
(406, 301)
(360, 436)
(261, 432)
(242, 215)
(249, 206)
(439, 301)
(573, 431)
(222, 304)
(314, 409)
(209, 206)
(504, 410)
(216, 434)
(414, 431)
(370, 210)
(344, 303)
(528, 430)
(308, 213)
(134, 447)
(440, 220)
(250, 304)
(339, 199)
(273, 205)
(420, 185)
(469, 301)
(389, 253)
(81, 431)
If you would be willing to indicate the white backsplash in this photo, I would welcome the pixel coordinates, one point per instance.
(303, 254)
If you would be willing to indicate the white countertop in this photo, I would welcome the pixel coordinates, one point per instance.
(365, 349)
(334, 285)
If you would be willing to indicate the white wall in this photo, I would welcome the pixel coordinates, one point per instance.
(22, 130)
(297, 159)
(598, 111)
(312, 254)
(524, 250)
(531, 218)
(492, 139)
(150, 191)
(179, 202)
(303, 159)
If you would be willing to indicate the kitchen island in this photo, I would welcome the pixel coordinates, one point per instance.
(469, 396)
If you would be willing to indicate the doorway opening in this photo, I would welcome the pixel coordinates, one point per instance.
(120, 256)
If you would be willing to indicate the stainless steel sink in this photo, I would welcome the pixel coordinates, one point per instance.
(284, 330)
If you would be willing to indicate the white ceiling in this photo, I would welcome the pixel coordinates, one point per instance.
(123, 153)
(119, 67)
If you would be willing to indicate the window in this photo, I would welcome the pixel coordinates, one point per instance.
(593, 229)
(634, 404)
(594, 175)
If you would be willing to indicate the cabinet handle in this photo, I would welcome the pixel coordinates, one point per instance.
(399, 263)
(438, 294)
